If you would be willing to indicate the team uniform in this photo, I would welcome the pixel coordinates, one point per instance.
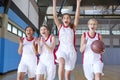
(66, 48)
(28, 61)
(46, 64)
(92, 62)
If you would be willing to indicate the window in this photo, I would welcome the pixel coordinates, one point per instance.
(9, 27)
(20, 33)
(24, 35)
(103, 32)
(14, 30)
(80, 31)
(116, 32)
(36, 0)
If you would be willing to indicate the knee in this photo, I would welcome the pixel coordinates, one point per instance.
(61, 62)
(19, 77)
(98, 76)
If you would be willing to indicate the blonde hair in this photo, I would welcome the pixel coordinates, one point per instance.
(93, 20)
(46, 28)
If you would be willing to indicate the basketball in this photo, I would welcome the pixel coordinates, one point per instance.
(98, 46)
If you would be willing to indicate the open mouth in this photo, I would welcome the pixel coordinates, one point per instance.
(28, 33)
(92, 28)
(66, 22)
(43, 33)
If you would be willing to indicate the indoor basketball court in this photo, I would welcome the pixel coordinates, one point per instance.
(15, 15)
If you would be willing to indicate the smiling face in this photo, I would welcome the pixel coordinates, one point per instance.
(92, 25)
(29, 32)
(44, 31)
(66, 19)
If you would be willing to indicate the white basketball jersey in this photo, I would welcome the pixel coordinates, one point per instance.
(67, 39)
(89, 56)
(28, 51)
(47, 57)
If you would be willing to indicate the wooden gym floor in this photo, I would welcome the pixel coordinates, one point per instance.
(111, 72)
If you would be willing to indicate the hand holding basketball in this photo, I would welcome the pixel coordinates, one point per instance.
(98, 46)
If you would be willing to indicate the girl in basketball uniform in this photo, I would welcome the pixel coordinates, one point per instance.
(92, 62)
(66, 53)
(46, 44)
(27, 49)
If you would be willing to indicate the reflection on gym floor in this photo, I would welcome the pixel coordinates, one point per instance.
(111, 72)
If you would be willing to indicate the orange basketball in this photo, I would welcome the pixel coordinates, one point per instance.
(98, 46)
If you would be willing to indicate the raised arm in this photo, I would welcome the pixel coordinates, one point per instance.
(55, 15)
(77, 14)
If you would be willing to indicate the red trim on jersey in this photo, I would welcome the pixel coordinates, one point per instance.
(91, 36)
(30, 39)
(47, 37)
(56, 48)
(65, 26)
(54, 53)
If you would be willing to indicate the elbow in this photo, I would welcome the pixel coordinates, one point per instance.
(19, 52)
